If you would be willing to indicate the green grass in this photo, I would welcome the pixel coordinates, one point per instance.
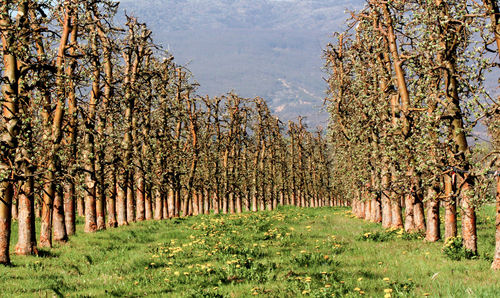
(284, 253)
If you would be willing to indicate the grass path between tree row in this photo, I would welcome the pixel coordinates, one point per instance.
(288, 252)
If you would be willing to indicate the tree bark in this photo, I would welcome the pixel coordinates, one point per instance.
(59, 224)
(418, 213)
(140, 197)
(386, 201)
(469, 231)
(80, 206)
(165, 205)
(130, 198)
(6, 192)
(215, 199)
(171, 202)
(397, 219)
(121, 198)
(433, 232)
(409, 218)
(195, 202)
(206, 200)
(158, 206)
(26, 241)
(450, 215)
(111, 201)
(148, 203)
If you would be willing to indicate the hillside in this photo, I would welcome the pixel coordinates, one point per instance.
(261, 48)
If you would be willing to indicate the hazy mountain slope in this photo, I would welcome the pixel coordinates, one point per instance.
(261, 48)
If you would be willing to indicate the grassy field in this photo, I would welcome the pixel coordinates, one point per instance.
(284, 253)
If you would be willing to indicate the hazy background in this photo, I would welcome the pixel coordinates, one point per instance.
(267, 48)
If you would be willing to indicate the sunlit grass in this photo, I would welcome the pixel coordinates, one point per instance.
(283, 253)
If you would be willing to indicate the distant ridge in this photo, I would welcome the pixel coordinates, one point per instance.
(267, 48)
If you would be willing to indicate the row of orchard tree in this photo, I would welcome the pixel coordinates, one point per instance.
(406, 90)
(98, 120)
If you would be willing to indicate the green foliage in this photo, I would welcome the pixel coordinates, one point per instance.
(454, 249)
(390, 234)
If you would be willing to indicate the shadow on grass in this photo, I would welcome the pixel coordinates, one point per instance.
(42, 253)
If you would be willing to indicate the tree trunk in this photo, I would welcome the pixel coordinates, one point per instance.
(121, 198)
(418, 213)
(158, 206)
(397, 220)
(238, 203)
(262, 200)
(80, 206)
(433, 232)
(6, 192)
(195, 203)
(469, 232)
(165, 205)
(140, 197)
(111, 201)
(69, 207)
(206, 200)
(409, 218)
(200, 201)
(26, 242)
(90, 185)
(231, 201)
(58, 221)
(386, 202)
(377, 210)
(215, 199)
(185, 204)
(100, 203)
(148, 203)
(171, 202)
(15, 207)
(177, 202)
(450, 215)
(46, 218)
(368, 209)
(254, 199)
(130, 198)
